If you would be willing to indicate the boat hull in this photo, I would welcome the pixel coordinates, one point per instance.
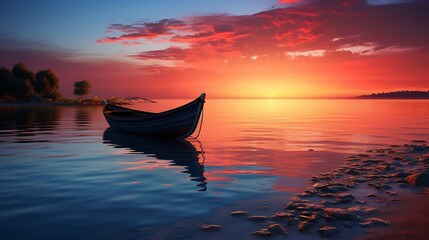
(180, 122)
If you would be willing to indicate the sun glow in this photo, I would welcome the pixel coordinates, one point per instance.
(270, 89)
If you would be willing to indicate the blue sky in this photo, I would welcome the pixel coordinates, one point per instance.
(77, 24)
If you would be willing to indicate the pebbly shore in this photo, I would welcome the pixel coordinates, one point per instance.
(350, 199)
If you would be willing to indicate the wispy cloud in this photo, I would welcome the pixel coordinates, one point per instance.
(328, 25)
(143, 30)
(288, 1)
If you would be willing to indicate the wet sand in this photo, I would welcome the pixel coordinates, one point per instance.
(410, 220)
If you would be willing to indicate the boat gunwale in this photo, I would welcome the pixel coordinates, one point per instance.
(150, 114)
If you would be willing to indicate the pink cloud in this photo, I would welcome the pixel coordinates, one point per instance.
(328, 25)
(131, 43)
(171, 53)
(288, 1)
(310, 25)
(350, 33)
(108, 40)
(142, 30)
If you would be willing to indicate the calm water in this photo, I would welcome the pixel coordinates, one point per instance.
(65, 175)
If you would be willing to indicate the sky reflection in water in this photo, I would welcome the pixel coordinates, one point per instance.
(65, 174)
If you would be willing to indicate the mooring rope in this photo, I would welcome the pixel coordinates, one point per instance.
(201, 123)
(201, 151)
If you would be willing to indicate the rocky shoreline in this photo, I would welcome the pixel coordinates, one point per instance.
(352, 196)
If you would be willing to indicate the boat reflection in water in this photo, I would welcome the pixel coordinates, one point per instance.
(179, 152)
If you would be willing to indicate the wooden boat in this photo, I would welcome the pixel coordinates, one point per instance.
(179, 122)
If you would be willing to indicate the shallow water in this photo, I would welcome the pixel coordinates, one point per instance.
(66, 175)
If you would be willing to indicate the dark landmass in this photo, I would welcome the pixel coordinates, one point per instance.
(65, 102)
(397, 95)
(20, 85)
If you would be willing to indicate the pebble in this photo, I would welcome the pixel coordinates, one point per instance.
(210, 227)
(343, 198)
(330, 188)
(375, 222)
(341, 214)
(283, 214)
(303, 206)
(262, 232)
(362, 209)
(276, 228)
(238, 213)
(420, 179)
(327, 231)
(302, 226)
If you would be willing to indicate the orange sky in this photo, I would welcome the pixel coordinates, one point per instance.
(296, 49)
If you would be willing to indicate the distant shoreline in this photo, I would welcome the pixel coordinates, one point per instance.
(48, 104)
(388, 98)
(397, 95)
(63, 102)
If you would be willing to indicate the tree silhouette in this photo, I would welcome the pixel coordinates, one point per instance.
(21, 83)
(82, 88)
(47, 84)
(5, 82)
(20, 70)
(22, 89)
(403, 94)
